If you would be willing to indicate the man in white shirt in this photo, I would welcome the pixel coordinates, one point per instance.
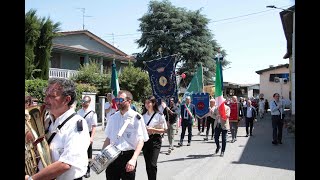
(131, 141)
(91, 117)
(108, 108)
(69, 131)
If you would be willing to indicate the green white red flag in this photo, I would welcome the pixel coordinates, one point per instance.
(218, 92)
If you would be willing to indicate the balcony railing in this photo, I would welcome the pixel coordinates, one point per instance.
(61, 73)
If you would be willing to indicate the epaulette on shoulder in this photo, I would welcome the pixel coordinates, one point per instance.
(138, 116)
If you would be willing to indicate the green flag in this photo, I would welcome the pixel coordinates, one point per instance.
(196, 84)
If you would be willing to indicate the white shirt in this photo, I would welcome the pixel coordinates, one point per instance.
(91, 118)
(249, 112)
(134, 132)
(158, 121)
(275, 109)
(261, 104)
(107, 105)
(70, 146)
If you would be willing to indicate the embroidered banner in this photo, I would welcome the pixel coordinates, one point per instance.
(201, 102)
(162, 78)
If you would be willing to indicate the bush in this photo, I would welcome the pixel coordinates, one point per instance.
(34, 88)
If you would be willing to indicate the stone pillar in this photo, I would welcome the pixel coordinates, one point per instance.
(102, 112)
(101, 65)
(86, 59)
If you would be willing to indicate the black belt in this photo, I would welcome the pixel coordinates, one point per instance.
(154, 135)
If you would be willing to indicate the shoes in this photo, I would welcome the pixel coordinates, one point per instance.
(280, 142)
(235, 139)
(180, 144)
(217, 150)
(169, 152)
(222, 154)
(211, 138)
(172, 148)
(87, 175)
(189, 144)
(205, 139)
(199, 133)
(247, 135)
(251, 134)
(232, 141)
(274, 142)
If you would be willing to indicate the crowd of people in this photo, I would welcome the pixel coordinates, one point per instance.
(72, 132)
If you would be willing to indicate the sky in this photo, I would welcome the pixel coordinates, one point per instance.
(251, 34)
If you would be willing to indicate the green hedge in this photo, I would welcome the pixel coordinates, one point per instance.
(35, 87)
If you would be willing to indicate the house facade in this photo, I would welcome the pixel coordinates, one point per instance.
(75, 48)
(275, 79)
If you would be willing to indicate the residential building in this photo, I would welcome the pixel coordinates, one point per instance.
(75, 48)
(275, 79)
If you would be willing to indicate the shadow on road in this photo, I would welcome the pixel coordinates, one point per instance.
(259, 150)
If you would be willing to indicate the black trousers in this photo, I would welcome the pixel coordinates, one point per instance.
(89, 151)
(210, 122)
(249, 122)
(277, 126)
(201, 123)
(217, 131)
(117, 169)
(151, 150)
(184, 125)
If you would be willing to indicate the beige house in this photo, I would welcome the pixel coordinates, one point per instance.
(275, 79)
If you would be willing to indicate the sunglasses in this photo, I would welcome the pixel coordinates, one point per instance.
(84, 101)
(119, 100)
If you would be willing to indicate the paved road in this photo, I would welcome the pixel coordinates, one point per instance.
(248, 158)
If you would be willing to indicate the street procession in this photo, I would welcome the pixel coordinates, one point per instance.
(174, 109)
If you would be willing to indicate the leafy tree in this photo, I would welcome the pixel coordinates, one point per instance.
(32, 33)
(48, 31)
(168, 30)
(136, 81)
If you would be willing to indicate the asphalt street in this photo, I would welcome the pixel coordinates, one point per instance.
(253, 157)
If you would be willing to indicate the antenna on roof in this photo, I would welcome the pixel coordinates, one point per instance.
(83, 16)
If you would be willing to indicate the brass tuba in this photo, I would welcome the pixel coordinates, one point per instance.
(36, 145)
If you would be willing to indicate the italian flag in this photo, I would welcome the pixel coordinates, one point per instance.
(115, 88)
(218, 88)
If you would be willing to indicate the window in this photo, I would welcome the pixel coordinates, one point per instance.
(281, 75)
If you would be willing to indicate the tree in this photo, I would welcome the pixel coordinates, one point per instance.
(32, 33)
(39, 33)
(168, 30)
(136, 81)
(90, 74)
(48, 30)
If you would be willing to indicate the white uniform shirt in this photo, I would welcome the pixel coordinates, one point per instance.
(134, 132)
(70, 145)
(107, 105)
(91, 118)
(158, 121)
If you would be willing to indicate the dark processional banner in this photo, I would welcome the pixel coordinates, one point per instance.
(163, 79)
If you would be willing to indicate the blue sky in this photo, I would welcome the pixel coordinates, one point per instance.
(252, 42)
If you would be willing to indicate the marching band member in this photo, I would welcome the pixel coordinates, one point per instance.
(130, 143)
(69, 134)
(156, 125)
(92, 120)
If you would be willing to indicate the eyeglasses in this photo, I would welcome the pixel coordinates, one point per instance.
(84, 101)
(119, 100)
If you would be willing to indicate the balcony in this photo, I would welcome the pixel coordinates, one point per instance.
(61, 73)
